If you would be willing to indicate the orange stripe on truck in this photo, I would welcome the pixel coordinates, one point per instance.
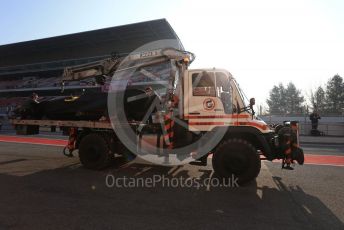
(217, 116)
(259, 126)
(206, 123)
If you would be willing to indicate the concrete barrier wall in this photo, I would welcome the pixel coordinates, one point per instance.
(330, 129)
(331, 126)
(301, 119)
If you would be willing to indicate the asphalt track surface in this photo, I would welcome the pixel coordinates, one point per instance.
(41, 189)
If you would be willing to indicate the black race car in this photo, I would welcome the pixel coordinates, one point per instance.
(88, 106)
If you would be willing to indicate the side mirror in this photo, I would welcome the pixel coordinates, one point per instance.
(252, 102)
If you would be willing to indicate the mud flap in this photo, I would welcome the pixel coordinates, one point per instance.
(298, 155)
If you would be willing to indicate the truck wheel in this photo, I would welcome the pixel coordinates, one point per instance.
(236, 158)
(94, 152)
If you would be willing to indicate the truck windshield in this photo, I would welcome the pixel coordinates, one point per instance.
(223, 89)
(243, 97)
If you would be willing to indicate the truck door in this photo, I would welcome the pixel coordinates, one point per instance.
(208, 100)
(202, 95)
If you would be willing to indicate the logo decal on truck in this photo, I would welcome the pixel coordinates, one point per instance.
(209, 104)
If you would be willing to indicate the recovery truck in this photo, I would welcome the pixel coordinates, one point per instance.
(192, 103)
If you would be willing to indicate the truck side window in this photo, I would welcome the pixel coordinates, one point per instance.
(203, 84)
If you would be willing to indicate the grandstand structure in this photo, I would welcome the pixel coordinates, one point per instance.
(37, 65)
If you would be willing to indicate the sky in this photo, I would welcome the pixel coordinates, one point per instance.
(262, 43)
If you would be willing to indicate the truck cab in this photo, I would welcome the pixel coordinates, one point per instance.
(213, 98)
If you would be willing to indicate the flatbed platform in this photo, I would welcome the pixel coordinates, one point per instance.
(62, 123)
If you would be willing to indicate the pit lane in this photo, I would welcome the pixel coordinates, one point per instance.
(42, 189)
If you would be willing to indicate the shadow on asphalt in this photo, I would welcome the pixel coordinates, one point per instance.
(76, 198)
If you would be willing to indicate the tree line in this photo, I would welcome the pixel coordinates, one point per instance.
(290, 100)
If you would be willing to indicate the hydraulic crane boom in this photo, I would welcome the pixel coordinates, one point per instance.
(106, 67)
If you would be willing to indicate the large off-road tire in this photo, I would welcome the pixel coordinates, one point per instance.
(236, 158)
(94, 151)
